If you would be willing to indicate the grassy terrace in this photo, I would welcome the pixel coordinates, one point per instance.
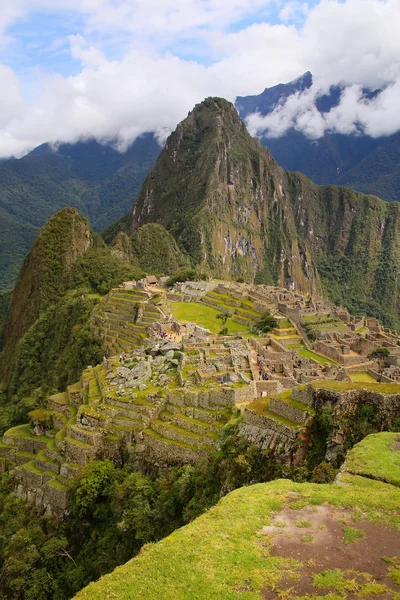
(61, 398)
(286, 397)
(161, 438)
(345, 386)
(242, 302)
(24, 431)
(244, 308)
(261, 407)
(378, 457)
(318, 357)
(31, 466)
(224, 554)
(204, 316)
(363, 377)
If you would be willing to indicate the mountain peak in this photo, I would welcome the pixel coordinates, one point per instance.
(46, 271)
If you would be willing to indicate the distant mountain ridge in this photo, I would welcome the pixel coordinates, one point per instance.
(369, 165)
(99, 181)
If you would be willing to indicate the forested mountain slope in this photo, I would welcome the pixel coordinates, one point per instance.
(96, 179)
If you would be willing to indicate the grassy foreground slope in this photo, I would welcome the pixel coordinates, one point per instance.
(377, 457)
(276, 540)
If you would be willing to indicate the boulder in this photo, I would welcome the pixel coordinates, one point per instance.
(171, 346)
(159, 360)
(244, 378)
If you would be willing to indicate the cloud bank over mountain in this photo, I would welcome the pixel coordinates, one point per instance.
(132, 66)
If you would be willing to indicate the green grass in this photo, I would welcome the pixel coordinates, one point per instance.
(61, 398)
(286, 397)
(24, 431)
(351, 534)
(205, 316)
(377, 457)
(31, 466)
(303, 524)
(223, 555)
(261, 407)
(318, 357)
(57, 485)
(362, 377)
(345, 386)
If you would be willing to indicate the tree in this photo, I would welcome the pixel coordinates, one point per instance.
(379, 355)
(223, 317)
(266, 323)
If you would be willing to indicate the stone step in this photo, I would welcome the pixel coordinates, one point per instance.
(7, 450)
(128, 412)
(58, 402)
(132, 406)
(155, 435)
(202, 414)
(22, 458)
(52, 452)
(78, 452)
(126, 432)
(166, 415)
(130, 424)
(291, 413)
(46, 464)
(192, 424)
(34, 474)
(83, 435)
(70, 470)
(174, 432)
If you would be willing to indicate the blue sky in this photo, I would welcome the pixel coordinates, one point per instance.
(113, 69)
(40, 38)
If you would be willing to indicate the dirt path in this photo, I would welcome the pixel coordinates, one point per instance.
(349, 554)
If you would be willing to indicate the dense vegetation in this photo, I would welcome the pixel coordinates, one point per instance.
(47, 339)
(96, 179)
(114, 511)
(155, 250)
(51, 355)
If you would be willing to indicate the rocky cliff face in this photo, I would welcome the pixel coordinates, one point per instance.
(237, 213)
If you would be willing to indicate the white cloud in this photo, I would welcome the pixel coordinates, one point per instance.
(114, 100)
(351, 42)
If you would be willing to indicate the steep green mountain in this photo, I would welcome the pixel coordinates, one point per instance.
(220, 194)
(96, 179)
(369, 165)
(238, 214)
(46, 341)
(152, 249)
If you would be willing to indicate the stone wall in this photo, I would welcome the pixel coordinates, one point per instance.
(155, 450)
(38, 490)
(304, 394)
(267, 433)
(292, 313)
(245, 393)
(270, 387)
(288, 412)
